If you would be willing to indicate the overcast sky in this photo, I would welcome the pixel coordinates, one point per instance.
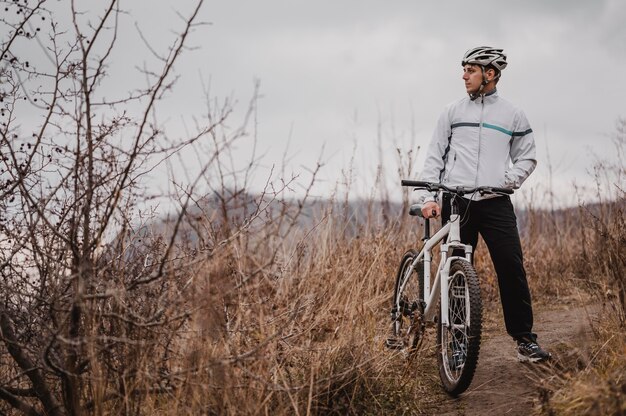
(334, 74)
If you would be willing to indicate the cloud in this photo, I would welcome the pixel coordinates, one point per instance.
(346, 72)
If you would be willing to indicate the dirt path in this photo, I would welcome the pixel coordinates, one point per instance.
(502, 385)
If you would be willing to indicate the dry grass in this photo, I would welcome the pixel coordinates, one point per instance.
(305, 335)
(591, 380)
(589, 252)
(587, 380)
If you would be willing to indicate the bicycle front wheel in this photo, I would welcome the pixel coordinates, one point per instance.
(407, 304)
(459, 341)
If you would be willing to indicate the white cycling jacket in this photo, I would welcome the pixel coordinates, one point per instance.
(485, 142)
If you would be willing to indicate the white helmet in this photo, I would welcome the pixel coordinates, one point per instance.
(485, 55)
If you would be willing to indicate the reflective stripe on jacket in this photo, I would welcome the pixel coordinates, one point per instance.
(485, 142)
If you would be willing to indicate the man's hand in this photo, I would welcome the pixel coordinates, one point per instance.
(431, 210)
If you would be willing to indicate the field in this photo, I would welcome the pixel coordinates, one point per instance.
(304, 334)
(288, 313)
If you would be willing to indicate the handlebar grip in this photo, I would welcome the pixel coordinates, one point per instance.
(408, 182)
(507, 191)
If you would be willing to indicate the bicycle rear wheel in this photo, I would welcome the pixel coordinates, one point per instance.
(458, 344)
(407, 309)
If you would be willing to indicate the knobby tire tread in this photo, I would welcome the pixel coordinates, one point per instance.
(474, 335)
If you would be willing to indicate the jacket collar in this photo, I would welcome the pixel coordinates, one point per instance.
(490, 97)
(492, 92)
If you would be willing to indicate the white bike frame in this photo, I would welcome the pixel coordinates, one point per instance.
(452, 234)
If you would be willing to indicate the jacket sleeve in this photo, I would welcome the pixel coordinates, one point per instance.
(522, 154)
(434, 162)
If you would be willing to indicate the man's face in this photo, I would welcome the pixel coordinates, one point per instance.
(473, 77)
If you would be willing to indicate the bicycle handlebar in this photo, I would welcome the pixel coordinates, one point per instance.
(459, 190)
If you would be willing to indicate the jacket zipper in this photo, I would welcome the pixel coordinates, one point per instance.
(480, 134)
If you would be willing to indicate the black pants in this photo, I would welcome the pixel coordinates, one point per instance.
(495, 220)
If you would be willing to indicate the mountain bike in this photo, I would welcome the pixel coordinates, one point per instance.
(453, 303)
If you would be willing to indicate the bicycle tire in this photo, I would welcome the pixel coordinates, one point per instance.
(407, 326)
(458, 345)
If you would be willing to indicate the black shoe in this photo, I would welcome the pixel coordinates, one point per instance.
(531, 352)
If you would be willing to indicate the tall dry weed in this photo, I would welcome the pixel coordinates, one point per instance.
(591, 381)
(301, 335)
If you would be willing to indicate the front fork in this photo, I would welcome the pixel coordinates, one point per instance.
(444, 277)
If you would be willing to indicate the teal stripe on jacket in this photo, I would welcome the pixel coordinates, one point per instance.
(494, 127)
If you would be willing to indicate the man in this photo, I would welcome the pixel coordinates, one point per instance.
(483, 140)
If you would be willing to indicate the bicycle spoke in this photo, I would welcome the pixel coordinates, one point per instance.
(407, 324)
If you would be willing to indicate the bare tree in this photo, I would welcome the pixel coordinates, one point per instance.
(82, 317)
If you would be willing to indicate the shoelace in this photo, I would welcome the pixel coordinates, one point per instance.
(530, 346)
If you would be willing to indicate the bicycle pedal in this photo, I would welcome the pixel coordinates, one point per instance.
(394, 343)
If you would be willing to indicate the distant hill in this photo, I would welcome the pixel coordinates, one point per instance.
(220, 216)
